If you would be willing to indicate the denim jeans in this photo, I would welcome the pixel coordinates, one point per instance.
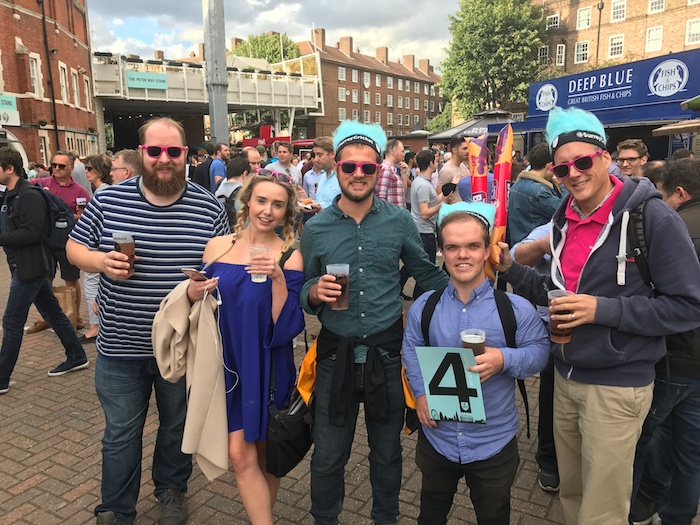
(332, 446)
(21, 297)
(124, 390)
(675, 404)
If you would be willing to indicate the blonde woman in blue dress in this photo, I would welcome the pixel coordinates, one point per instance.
(256, 321)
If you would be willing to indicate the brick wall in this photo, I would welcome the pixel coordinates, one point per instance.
(633, 29)
(22, 42)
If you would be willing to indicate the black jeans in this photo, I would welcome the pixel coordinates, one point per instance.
(546, 455)
(489, 483)
(430, 247)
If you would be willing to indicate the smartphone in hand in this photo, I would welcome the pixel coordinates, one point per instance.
(195, 275)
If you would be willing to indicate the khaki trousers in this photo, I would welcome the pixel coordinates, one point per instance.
(596, 429)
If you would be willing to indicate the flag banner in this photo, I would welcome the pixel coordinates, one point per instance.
(478, 168)
(501, 189)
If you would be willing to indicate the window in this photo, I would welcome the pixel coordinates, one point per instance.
(407, 103)
(416, 119)
(378, 80)
(543, 55)
(88, 94)
(355, 115)
(63, 74)
(390, 101)
(378, 117)
(561, 54)
(365, 97)
(355, 96)
(76, 87)
(552, 21)
(399, 100)
(366, 79)
(583, 18)
(655, 36)
(44, 148)
(342, 114)
(432, 90)
(425, 105)
(692, 31)
(341, 73)
(426, 89)
(581, 52)
(416, 104)
(354, 75)
(432, 106)
(389, 119)
(616, 46)
(656, 6)
(618, 11)
(399, 119)
(407, 85)
(400, 86)
(416, 88)
(390, 82)
(407, 121)
(35, 75)
(365, 115)
(377, 99)
(341, 94)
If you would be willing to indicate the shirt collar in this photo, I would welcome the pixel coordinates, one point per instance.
(574, 211)
(477, 293)
(69, 183)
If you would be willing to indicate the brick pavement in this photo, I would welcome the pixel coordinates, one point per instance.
(50, 432)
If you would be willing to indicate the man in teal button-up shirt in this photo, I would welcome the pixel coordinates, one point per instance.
(359, 348)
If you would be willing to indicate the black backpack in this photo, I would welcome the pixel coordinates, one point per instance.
(229, 204)
(638, 243)
(60, 218)
(201, 174)
(510, 327)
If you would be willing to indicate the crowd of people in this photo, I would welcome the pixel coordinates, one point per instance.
(239, 243)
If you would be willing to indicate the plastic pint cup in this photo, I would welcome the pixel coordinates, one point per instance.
(474, 339)
(341, 272)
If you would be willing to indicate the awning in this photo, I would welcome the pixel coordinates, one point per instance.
(684, 126)
(475, 127)
(692, 104)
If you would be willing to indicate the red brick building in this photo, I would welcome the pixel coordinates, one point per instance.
(591, 34)
(398, 95)
(46, 96)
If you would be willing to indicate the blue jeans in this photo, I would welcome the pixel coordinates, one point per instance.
(21, 297)
(332, 446)
(676, 407)
(124, 390)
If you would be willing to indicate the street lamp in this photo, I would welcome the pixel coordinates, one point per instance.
(600, 7)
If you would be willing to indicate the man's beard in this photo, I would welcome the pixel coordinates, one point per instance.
(362, 197)
(164, 187)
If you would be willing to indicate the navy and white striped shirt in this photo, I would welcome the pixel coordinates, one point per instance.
(167, 239)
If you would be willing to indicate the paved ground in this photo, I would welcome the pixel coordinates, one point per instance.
(50, 432)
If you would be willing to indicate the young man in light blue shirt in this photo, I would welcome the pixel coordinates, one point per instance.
(486, 455)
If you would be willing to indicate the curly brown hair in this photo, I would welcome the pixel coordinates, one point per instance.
(289, 213)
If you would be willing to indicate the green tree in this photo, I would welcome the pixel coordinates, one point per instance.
(442, 121)
(267, 46)
(493, 54)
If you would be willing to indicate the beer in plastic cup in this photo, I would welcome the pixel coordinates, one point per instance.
(474, 339)
(341, 272)
(556, 334)
(124, 243)
(80, 203)
(257, 249)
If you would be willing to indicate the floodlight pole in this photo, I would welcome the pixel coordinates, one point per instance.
(215, 63)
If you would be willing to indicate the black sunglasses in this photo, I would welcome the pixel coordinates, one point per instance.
(174, 152)
(55, 165)
(349, 167)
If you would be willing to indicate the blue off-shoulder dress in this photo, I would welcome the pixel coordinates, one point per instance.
(249, 337)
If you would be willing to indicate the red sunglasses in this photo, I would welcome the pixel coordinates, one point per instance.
(349, 167)
(581, 164)
(282, 177)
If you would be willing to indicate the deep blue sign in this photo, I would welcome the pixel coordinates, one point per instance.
(666, 79)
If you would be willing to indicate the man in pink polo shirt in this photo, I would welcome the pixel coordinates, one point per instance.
(603, 388)
(61, 184)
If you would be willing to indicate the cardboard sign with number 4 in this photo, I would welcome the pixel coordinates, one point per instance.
(452, 392)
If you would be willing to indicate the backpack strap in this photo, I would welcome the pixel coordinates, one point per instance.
(638, 244)
(510, 327)
(428, 311)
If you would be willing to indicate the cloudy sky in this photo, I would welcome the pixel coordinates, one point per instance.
(405, 26)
